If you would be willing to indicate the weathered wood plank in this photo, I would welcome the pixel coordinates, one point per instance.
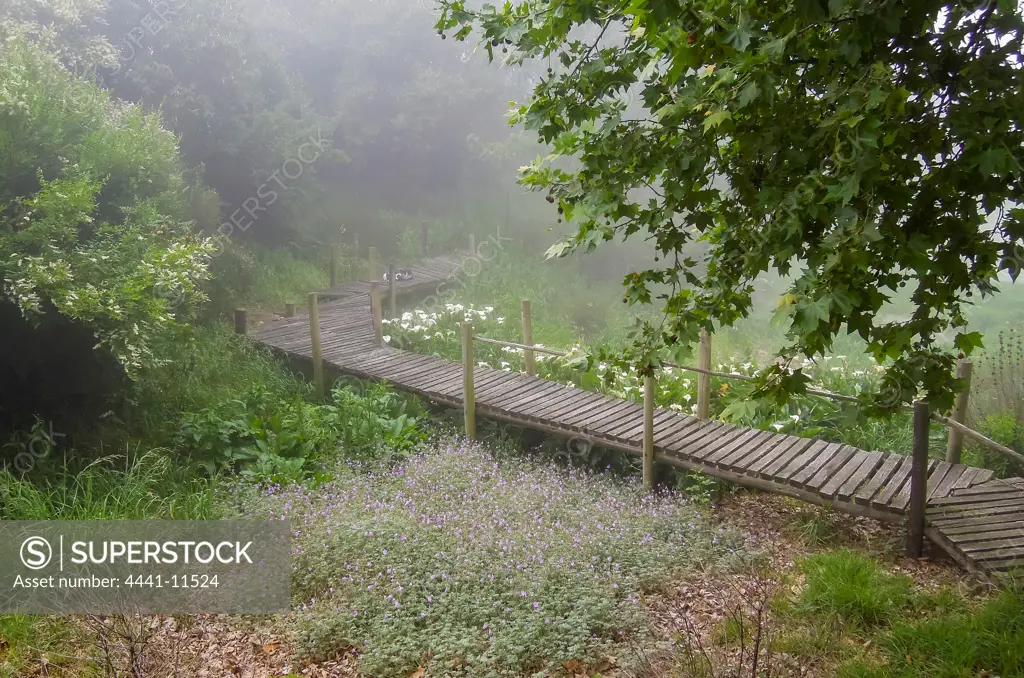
(869, 464)
(804, 466)
(831, 468)
(901, 499)
(753, 451)
(772, 467)
(965, 499)
(988, 487)
(959, 525)
(944, 488)
(830, 487)
(752, 437)
(762, 442)
(900, 479)
(890, 465)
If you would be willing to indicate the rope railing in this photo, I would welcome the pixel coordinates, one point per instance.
(952, 423)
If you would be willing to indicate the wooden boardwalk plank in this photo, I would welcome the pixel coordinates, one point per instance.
(877, 480)
(895, 483)
(870, 462)
(833, 468)
(978, 518)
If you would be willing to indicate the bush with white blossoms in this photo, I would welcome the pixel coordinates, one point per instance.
(471, 565)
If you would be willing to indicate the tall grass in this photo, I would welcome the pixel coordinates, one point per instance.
(996, 404)
(149, 486)
(263, 278)
(215, 367)
(566, 306)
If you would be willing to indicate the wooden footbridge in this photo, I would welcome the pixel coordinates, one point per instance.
(977, 519)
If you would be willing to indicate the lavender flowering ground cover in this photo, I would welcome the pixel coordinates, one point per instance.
(468, 564)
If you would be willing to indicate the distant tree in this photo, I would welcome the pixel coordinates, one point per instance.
(859, 146)
(73, 31)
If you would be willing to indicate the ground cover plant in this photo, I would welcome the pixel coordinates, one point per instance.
(893, 627)
(469, 563)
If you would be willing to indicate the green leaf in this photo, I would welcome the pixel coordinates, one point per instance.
(715, 119)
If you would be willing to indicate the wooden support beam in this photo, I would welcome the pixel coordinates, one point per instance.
(704, 380)
(528, 355)
(648, 445)
(334, 266)
(918, 481)
(392, 304)
(241, 322)
(955, 442)
(375, 310)
(468, 393)
(289, 310)
(314, 340)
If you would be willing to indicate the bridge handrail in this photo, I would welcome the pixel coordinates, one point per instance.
(946, 421)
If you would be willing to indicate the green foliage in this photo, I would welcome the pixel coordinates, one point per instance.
(262, 278)
(473, 566)
(91, 210)
(996, 403)
(816, 526)
(212, 369)
(262, 435)
(28, 636)
(853, 588)
(981, 641)
(149, 486)
(853, 146)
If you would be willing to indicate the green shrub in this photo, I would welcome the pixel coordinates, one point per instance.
(854, 588)
(92, 209)
(262, 278)
(213, 369)
(266, 436)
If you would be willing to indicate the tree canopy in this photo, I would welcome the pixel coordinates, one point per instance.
(858, 147)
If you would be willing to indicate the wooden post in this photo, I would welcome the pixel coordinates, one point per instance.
(918, 481)
(373, 264)
(289, 310)
(375, 309)
(334, 266)
(314, 340)
(468, 393)
(531, 368)
(424, 237)
(392, 305)
(649, 431)
(704, 380)
(472, 243)
(240, 321)
(955, 442)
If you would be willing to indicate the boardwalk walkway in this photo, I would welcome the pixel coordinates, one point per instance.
(977, 519)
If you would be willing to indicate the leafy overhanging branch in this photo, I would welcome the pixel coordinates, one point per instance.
(860, 147)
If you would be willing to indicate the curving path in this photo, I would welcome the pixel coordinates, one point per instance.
(977, 519)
